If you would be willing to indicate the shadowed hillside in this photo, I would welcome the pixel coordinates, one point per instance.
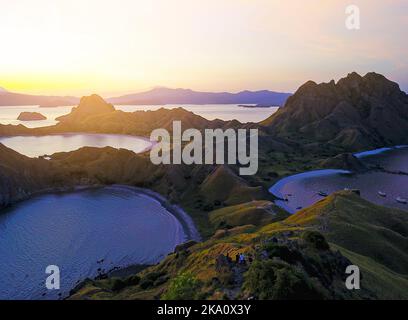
(21, 177)
(354, 113)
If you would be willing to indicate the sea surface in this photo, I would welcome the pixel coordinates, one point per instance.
(9, 115)
(35, 146)
(80, 232)
(302, 190)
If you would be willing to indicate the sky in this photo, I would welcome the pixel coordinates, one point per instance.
(113, 47)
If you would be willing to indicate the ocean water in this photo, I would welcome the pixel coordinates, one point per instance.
(34, 146)
(76, 230)
(303, 190)
(9, 115)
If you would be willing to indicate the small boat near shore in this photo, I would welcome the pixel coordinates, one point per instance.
(322, 194)
(382, 194)
(401, 200)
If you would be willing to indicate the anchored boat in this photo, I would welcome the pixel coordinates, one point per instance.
(402, 200)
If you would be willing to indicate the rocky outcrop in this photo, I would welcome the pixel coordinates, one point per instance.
(354, 113)
(89, 106)
(31, 116)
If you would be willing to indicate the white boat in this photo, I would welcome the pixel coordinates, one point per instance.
(323, 194)
(382, 194)
(402, 200)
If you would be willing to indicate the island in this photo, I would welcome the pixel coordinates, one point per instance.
(255, 106)
(31, 116)
(49, 105)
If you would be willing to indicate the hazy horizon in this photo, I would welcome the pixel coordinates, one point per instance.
(113, 95)
(118, 47)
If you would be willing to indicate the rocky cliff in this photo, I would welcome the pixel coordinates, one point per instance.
(354, 113)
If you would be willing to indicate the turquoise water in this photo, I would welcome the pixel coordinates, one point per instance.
(74, 231)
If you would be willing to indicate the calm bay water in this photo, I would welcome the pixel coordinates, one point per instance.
(8, 115)
(74, 231)
(302, 190)
(34, 146)
(215, 111)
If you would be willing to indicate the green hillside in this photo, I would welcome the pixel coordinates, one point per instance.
(256, 213)
(291, 258)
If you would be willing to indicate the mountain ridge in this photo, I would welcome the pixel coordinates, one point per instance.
(354, 113)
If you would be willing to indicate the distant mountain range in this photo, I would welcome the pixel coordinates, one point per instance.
(155, 96)
(187, 96)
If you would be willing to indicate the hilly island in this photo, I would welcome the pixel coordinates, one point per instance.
(302, 255)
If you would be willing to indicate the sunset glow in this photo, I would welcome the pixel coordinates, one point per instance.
(74, 47)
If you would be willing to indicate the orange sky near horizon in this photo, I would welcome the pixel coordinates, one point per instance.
(73, 47)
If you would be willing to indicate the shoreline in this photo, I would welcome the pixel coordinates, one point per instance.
(148, 148)
(184, 218)
(187, 224)
(368, 153)
(276, 189)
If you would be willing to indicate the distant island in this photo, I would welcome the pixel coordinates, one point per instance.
(31, 116)
(255, 106)
(49, 105)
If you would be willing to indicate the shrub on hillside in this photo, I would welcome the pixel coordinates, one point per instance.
(150, 280)
(118, 284)
(184, 287)
(315, 239)
(282, 252)
(271, 280)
